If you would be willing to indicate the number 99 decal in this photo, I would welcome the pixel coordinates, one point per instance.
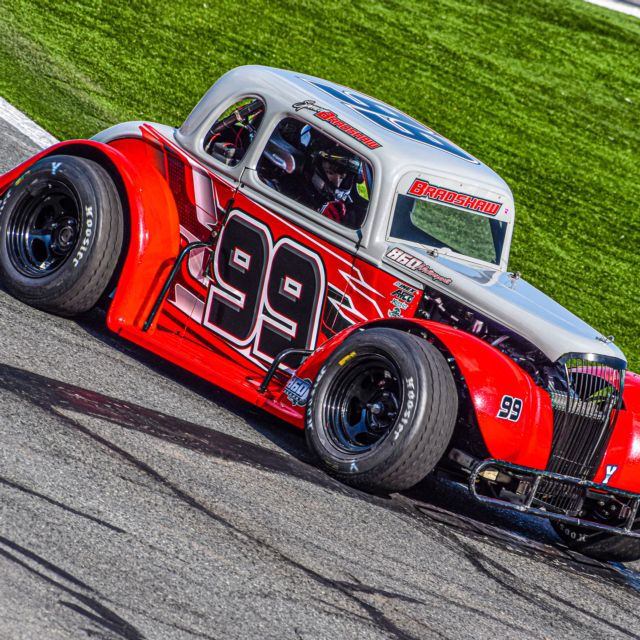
(510, 408)
(265, 295)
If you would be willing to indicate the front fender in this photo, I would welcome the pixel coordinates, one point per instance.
(489, 376)
(620, 466)
(492, 378)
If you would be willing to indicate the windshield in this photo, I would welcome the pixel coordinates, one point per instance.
(449, 228)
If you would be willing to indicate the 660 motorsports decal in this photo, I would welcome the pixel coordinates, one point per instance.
(407, 260)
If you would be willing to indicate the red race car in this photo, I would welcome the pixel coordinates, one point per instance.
(322, 255)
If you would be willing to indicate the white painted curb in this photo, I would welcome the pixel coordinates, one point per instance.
(617, 5)
(24, 125)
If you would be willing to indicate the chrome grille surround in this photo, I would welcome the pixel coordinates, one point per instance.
(584, 415)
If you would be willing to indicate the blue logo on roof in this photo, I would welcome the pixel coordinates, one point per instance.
(393, 120)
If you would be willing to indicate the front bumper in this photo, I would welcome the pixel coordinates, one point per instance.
(529, 498)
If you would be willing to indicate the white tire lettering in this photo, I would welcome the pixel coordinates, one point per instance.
(408, 412)
(86, 240)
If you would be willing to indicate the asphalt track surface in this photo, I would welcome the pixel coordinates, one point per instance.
(137, 501)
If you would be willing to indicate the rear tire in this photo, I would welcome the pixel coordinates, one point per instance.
(61, 234)
(598, 544)
(382, 410)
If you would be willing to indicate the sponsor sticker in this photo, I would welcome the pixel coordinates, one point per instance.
(297, 391)
(86, 240)
(407, 260)
(401, 299)
(329, 116)
(424, 189)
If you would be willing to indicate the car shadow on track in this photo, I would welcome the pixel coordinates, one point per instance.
(281, 434)
(432, 498)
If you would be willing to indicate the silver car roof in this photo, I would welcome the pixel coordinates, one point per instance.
(397, 145)
(400, 150)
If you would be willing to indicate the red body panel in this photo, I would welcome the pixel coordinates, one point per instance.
(187, 200)
(623, 451)
(174, 200)
(490, 375)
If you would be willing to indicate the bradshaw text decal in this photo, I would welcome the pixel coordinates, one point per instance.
(423, 189)
(330, 117)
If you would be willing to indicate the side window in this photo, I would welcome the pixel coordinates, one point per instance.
(307, 166)
(233, 132)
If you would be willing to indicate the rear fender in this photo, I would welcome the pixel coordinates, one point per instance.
(153, 231)
(155, 234)
(522, 437)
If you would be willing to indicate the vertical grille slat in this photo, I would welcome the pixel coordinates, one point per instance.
(584, 413)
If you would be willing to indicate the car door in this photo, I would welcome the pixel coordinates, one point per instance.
(283, 275)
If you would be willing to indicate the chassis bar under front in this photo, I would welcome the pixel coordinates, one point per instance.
(535, 476)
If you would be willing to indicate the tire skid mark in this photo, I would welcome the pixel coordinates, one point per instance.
(91, 616)
(554, 556)
(349, 590)
(61, 398)
(20, 487)
(23, 551)
(55, 397)
(95, 610)
(336, 609)
(52, 395)
(439, 598)
(588, 568)
(510, 582)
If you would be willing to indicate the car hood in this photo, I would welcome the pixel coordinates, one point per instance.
(509, 300)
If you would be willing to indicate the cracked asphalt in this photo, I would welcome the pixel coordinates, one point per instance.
(137, 501)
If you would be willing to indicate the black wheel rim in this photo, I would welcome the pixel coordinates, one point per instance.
(43, 232)
(363, 403)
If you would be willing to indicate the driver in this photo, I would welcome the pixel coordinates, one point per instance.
(328, 181)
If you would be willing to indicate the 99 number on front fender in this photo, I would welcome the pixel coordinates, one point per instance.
(510, 408)
(267, 296)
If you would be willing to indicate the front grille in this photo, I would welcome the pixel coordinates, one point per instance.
(585, 408)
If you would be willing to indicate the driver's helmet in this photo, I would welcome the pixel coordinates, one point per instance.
(334, 171)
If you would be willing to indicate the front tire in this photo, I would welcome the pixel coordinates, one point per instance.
(598, 544)
(382, 410)
(61, 234)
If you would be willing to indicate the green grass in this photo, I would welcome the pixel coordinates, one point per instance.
(546, 92)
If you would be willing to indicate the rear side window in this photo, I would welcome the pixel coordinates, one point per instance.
(232, 133)
(313, 170)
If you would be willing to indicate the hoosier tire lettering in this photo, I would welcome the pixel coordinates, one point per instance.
(411, 396)
(381, 419)
(61, 234)
(86, 241)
